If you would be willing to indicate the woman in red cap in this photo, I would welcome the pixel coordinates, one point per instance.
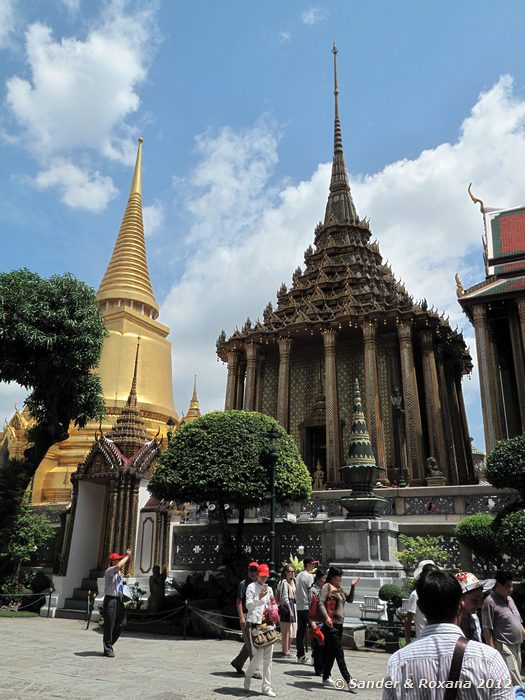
(113, 610)
(258, 596)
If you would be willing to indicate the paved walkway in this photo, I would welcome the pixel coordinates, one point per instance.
(58, 659)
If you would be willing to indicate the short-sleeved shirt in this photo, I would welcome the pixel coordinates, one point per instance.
(420, 621)
(502, 617)
(112, 581)
(303, 584)
(241, 592)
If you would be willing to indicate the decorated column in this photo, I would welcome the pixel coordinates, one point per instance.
(488, 376)
(241, 374)
(414, 435)
(252, 350)
(432, 401)
(283, 388)
(373, 407)
(333, 430)
(231, 383)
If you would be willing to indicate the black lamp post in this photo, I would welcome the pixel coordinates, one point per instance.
(269, 459)
(397, 400)
(170, 423)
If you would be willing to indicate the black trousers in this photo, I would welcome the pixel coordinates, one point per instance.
(333, 651)
(114, 614)
(301, 640)
(318, 656)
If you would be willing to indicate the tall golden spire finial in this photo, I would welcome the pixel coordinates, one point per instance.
(126, 280)
(336, 91)
(340, 207)
(132, 398)
(136, 184)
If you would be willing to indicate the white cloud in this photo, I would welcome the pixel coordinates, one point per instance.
(284, 36)
(78, 189)
(153, 216)
(81, 94)
(7, 22)
(72, 6)
(250, 234)
(313, 15)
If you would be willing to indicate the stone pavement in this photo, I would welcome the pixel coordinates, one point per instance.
(58, 659)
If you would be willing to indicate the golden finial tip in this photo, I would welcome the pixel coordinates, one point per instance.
(141, 139)
(334, 48)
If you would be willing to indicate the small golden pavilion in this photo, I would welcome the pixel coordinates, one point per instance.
(346, 317)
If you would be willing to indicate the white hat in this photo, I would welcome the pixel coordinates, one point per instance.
(421, 565)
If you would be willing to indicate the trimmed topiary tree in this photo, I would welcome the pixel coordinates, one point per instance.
(218, 458)
(511, 531)
(478, 534)
(389, 591)
(506, 469)
(505, 466)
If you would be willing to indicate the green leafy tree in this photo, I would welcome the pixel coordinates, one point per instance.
(416, 549)
(512, 533)
(51, 336)
(505, 467)
(218, 458)
(478, 534)
(30, 531)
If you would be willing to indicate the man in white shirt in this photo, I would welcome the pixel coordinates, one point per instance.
(113, 610)
(414, 614)
(421, 670)
(303, 583)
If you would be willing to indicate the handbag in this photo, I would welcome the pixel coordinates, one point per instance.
(265, 636)
(271, 613)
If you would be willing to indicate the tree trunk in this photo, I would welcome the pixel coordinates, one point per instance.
(239, 536)
(228, 543)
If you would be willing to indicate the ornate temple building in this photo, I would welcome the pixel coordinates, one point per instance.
(496, 308)
(130, 312)
(344, 317)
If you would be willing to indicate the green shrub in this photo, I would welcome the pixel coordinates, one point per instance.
(408, 585)
(416, 549)
(506, 464)
(512, 533)
(477, 532)
(389, 591)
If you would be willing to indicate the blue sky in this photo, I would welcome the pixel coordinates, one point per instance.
(234, 101)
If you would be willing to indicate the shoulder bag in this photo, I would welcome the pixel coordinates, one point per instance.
(455, 667)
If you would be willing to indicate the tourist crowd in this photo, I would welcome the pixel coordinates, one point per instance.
(453, 655)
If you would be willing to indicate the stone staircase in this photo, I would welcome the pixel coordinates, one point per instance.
(75, 608)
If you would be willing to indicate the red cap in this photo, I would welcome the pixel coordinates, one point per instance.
(253, 565)
(263, 570)
(115, 557)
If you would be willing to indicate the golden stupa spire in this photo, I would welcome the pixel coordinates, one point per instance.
(194, 410)
(127, 277)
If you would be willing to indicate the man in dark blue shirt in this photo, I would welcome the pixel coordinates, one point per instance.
(240, 603)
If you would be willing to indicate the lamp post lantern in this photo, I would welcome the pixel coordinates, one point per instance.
(170, 423)
(397, 400)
